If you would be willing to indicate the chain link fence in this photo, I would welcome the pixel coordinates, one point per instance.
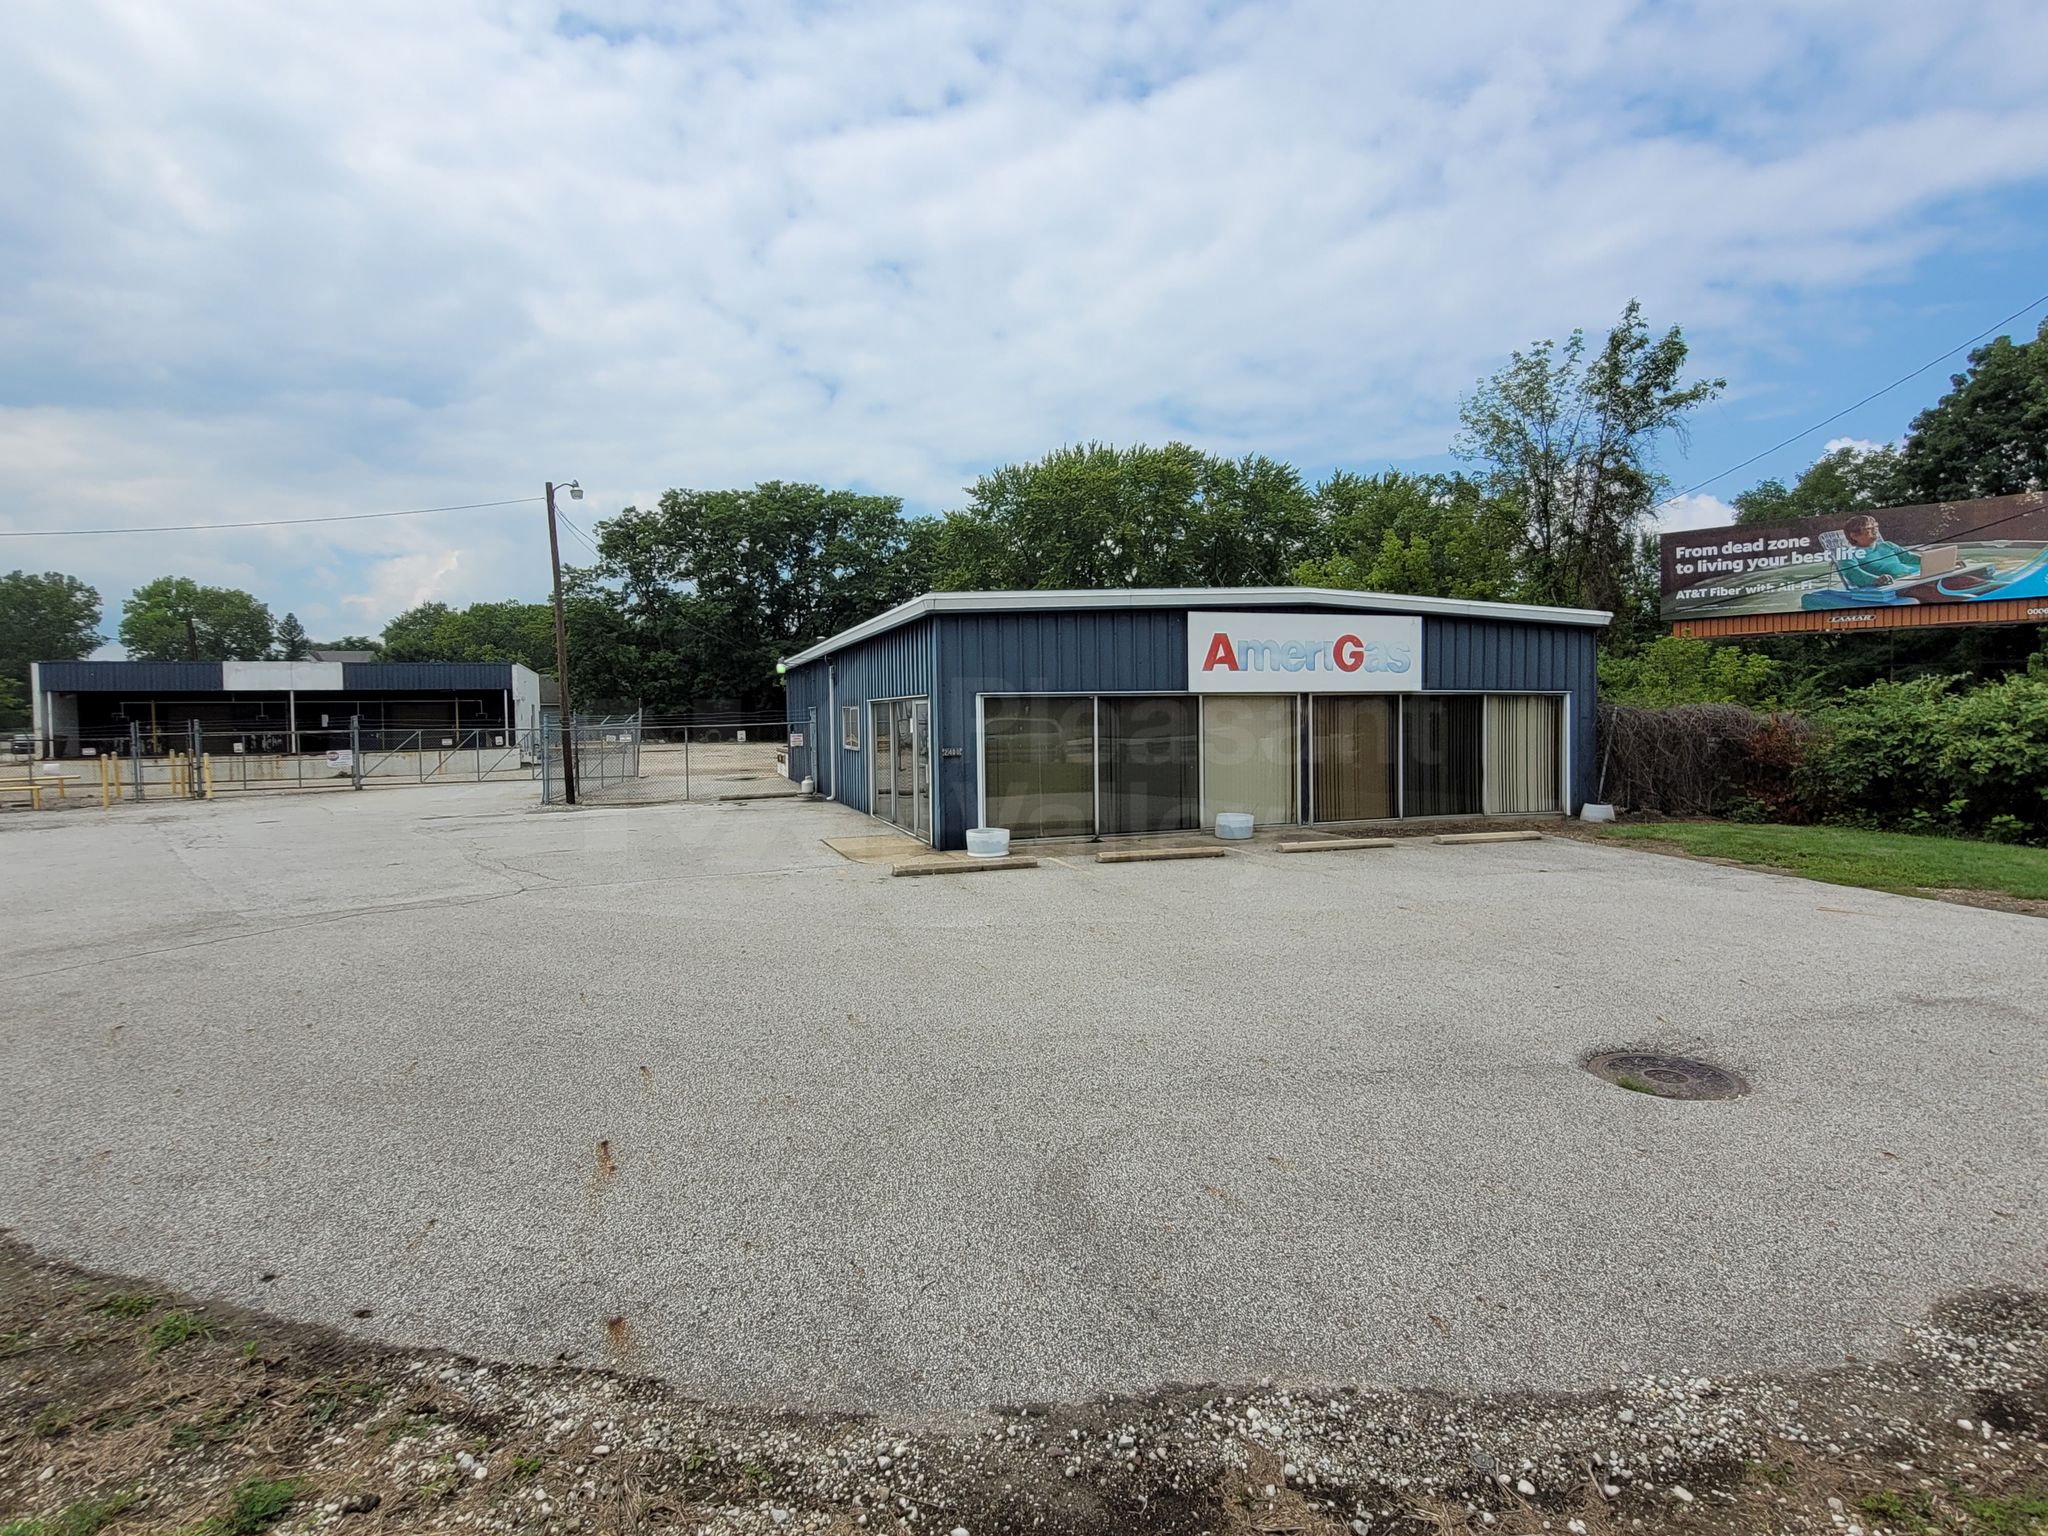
(607, 755)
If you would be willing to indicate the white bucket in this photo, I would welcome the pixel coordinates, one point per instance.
(1233, 824)
(1592, 812)
(988, 842)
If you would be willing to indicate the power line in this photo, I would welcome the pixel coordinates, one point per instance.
(586, 538)
(1895, 383)
(276, 522)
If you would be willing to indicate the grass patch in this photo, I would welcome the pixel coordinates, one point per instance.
(132, 1305)
(255, 1506)
(177, 1328)
(2026, 1515)
(1878, 861)
(85, 1518)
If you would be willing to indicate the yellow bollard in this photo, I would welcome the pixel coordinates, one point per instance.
(117, 778)
(206, 772)
(105, 798)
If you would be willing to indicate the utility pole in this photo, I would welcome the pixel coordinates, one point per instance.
(562, 651)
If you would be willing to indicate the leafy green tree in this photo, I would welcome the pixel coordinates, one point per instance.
(698, 597)
(1098, 516)
(1568, 443)
(1850, 479)
(172, 616)
(51, 617)
(14, 711)
(1988, 436)
(1429, 535)
(346, 643)
(492, 632)
(1675, 670)
(291, 643)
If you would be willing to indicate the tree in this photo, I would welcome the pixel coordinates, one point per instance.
(1428, 535)
(346, 643)
(173, 616)
(1098, 516)
(1989, 435)
(1849, 479)
(1568, 444)
(51, 617)
(292, 644)
(700, 596)
(497, 632)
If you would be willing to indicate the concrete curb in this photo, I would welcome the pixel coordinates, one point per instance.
(1336, 844)
(1155, 855)
(960, 866)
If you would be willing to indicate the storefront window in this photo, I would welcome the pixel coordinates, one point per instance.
(1523, 736)
(1440, 773)
(1151, 771)
(1353, 762)
(1248, 756)
(1040, 768)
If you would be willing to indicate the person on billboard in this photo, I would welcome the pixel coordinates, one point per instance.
(1872, 560)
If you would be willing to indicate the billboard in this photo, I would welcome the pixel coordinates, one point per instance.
(1304, 653)
(1955, 562)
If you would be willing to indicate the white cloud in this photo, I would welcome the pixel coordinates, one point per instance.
(316, 258)
(1681, 514)
(1860, 444)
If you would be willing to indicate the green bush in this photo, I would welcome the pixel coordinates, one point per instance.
(1677, 670)
(1926, 756)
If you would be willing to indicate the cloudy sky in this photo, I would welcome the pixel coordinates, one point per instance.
(262, 261)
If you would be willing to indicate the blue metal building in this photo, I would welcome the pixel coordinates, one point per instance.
(1110, 712)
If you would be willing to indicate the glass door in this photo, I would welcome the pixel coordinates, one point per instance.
(900, 740)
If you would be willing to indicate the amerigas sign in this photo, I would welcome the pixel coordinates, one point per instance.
(1304, 653)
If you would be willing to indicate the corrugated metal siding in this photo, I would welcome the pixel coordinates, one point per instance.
(897, 665)
(1087, 651)
(803, 690)
(130, 676)
(427, 676)
(1463, 654)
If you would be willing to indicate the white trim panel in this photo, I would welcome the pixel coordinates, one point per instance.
(1196, 598)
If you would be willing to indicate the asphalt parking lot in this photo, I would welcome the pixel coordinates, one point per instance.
(678, 1087)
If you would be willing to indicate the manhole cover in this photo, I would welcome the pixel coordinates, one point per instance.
(1668, 1077)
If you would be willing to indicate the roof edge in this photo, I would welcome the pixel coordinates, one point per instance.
(1195, 597)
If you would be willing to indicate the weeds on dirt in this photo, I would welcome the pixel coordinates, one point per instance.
(256, 1505)
(175, 1329)
(85, 1518)
(324, 1399)
(133, 1305)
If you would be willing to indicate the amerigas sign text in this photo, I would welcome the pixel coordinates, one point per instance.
(1304, 653)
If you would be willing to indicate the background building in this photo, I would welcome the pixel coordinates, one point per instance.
(278, 707)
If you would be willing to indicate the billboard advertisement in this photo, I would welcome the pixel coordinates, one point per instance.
(1956, 562)
(1304, 653)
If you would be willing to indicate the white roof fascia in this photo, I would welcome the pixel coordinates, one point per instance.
(1196, 598)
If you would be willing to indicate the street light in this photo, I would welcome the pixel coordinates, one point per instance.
(562, 646)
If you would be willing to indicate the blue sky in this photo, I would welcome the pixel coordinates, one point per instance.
(264, 261)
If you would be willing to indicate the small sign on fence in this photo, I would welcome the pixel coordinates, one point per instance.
(796, 738)
(344, 758)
